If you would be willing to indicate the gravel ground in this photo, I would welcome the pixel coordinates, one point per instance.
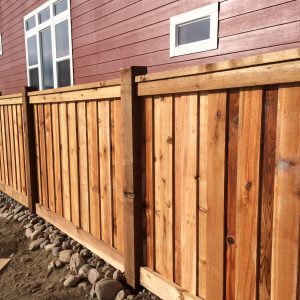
(47, 264)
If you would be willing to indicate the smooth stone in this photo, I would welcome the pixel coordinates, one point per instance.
(72, 280)
(49, 247)
(44, 244)
(66, 245)
(117, 275)
(83, 285)
(121, 295)
(58, 264)
(107, 289)
(56, 250)
(65, 256)
(51, 265)
(94, 276)
(35, 234)
(18, 209)
(36, 244)
(84, 270)
(28, 232)
(76, 262)
(109, 274)
(86, 253)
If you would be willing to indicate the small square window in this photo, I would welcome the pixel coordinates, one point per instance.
(44, 15)
(30, 23)
(194, 31)
(60, 6)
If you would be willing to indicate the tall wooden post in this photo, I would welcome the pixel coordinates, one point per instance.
(30, 150)
(132, 180)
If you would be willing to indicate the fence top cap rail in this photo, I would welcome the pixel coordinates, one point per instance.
(261, 59)
(86, 86)
(12, 96)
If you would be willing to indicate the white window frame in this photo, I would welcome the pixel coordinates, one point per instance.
(211, 11)
(53, 20)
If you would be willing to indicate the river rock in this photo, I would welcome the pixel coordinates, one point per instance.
(121, 295)
(109, 274)
(44, 244)
(49, 247)
(36, 244)
(65, 256)
(107, 289)
(28, 232)
(76, 262)
(84, 270)
(36, 234)
(72, 280)
(117, 275)
(56, 250)
(94, 276)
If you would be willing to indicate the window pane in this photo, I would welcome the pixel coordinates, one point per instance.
(32, 51)
(44, 15)
(30, 23)
(46, 54)
(62, 39)
(34, 77)
(63, 73)
(60, 6)
(197, 30)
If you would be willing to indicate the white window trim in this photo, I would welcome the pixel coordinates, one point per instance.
(211, 10)
(53, 20)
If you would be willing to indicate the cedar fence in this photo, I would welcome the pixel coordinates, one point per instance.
(188, 180)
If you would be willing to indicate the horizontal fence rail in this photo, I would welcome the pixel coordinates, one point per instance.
(187, 180)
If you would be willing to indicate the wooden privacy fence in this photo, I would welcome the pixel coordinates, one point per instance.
(188, 180)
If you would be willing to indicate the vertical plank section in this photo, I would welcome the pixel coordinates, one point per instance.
(21, 149)
(186, 125)
(149, 177)
(5, 157)
(248, 192)
(73, 158)
(94, 182)
(49, 155)
(29, 149)
(57, 158)
(132, 176)
(117, 174)
(8, 148)
(232, 149)
(42, 143)
(83, 167)
(211, 194)
(267, 194)
(16, 144)
(2, 177)
(65, 160)
(105, 171)
(203, 205)
(12, 146)
(163, 168)
(286, 232)
(37, 147)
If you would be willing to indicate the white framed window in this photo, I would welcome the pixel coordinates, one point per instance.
(1, 49)
(195, 30)
(49, 45)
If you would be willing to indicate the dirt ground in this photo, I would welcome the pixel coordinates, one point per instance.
(26, 277)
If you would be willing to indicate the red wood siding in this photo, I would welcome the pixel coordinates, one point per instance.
(109, 34)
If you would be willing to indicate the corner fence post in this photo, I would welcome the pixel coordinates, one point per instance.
(132, 173)
(30, 151)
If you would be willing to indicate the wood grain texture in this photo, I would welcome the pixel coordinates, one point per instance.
(49, 159)
(42, 143)
(117, 174)
(2, 174)
(73, 158)
(57, 159)
(267, 192)
(232, 150)
(93, 158)
(163, 168)
(83, 166)
(12, 146)
(185, 174)
(23, 187)
(149, 184)
(5, 158)
(16, 145)
(38, 155)
(248, 192)
(105, 170)
(285, 244)
(65, 164)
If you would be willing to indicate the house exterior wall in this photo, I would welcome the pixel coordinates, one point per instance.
(110, 34)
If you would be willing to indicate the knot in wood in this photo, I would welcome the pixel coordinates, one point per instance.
(129, 195)
(218, 114)
(248, 185)
(230, 240)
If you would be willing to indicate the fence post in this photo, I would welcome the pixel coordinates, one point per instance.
(30, 155)
(132, 173)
